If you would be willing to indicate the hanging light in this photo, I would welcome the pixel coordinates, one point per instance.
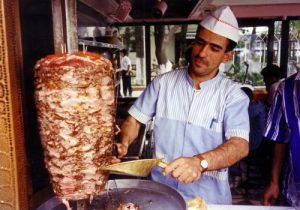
(159, 9)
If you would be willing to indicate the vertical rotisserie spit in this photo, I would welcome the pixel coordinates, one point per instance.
(76, 113)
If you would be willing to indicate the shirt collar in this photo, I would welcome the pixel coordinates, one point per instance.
(205, 83)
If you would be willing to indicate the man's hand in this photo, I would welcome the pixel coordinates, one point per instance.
(129, 132)
(271, 194)
(122, 150)
(184, 169)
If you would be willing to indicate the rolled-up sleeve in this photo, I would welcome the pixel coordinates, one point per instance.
(236, 116)
(144, 108)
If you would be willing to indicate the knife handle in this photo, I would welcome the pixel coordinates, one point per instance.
(115, 150)
(162, 164)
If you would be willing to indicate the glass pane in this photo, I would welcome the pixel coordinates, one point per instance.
(294, 47)
(168, 44)
(250, 57)
(277, 43)
(168, 53)
(133, 39)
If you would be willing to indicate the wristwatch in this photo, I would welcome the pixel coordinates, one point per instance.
(203, 162)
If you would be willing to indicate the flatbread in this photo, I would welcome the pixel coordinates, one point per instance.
(196, 204)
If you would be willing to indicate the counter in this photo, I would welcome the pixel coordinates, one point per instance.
(243, 207)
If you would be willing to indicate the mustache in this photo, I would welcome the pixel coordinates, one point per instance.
(200, 59)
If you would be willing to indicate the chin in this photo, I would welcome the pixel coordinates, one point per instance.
(198, 70)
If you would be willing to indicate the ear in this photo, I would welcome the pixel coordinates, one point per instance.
(228, 56)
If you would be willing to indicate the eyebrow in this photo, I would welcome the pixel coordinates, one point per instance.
(197, 39)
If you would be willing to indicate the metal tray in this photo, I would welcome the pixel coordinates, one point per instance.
(148, 195)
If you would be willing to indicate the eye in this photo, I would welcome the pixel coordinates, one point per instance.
(215, 49)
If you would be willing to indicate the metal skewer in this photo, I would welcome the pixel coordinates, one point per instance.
(82, 204)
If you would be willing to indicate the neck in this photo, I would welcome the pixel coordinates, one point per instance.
(198, 79)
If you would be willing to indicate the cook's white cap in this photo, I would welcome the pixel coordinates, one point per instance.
(222, 22)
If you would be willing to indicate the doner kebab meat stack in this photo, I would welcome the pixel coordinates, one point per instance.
(75, 103)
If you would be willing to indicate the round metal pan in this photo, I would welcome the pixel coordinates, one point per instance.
(148, 195)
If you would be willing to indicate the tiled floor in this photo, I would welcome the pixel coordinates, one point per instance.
(250, 191)
(253, 176)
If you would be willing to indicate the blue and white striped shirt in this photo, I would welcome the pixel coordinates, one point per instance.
(189, 122)
(283, 125)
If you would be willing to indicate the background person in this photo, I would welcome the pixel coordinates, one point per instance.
(201, 122)
(283, 127)
(272, 77)
(257, 116)
(126, 72)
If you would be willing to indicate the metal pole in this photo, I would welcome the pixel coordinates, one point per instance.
(148, 54)
(82, 204)
(64, 17)
(284, 52)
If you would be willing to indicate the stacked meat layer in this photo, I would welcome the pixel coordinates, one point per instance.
(76, 114)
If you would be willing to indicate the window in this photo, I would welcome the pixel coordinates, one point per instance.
(251, 54)
(294, 47)
(250, 57)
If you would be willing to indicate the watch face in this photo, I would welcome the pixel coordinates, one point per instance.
(204, 164)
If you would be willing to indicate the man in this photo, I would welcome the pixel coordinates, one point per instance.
(271, 75)
(257, 117)
(283, 127)
(126, 69)
(201, 118)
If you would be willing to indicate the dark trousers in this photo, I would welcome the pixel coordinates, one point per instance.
(126, 83)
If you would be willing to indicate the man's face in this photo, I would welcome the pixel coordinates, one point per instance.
(208, 53)
(269, 80)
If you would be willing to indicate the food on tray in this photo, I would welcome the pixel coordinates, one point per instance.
(128, 206)
(196, 204)
(76, 114)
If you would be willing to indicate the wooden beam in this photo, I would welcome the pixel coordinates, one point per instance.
(14, 183)
(106, 8)
(201, 9)
(87, 16)
(263, 11)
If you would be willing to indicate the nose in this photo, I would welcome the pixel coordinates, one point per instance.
(203, 50)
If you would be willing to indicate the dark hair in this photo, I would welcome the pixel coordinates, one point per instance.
(271, 70)
(231, 44)
(188, 54)
(248, 92)
(124, 51)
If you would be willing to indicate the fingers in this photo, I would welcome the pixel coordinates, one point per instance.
(188, 177)
(114, 159)
(268, 201)
(265, 201)
(118, 151)
(122, 150)
(170, 168)
(271, 195)
(185, 170)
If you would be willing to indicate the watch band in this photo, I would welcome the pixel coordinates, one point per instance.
(203, 162)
